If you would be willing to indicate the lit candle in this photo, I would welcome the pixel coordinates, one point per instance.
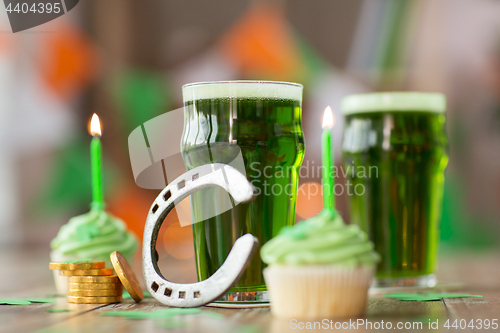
(327, 159)
(95, 160)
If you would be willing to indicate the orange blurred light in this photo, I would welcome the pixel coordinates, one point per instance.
(68, 60)
(261, 43)
(309, 200)
(178, 241)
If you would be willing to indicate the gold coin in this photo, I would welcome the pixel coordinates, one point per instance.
(76, 265)
(94, 279)
(87, 272)
(95, 286)
(127, 276)
(94, 300)
(94, 293)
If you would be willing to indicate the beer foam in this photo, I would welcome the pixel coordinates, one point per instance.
(242, 89)
(394, 102)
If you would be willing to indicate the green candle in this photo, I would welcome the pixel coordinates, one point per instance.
(95, 160)
(327, 159)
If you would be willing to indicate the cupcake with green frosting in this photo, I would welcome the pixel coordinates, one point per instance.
(319, 268)
(94, 235)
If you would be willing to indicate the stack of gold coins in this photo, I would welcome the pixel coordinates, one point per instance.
(94, 289)
(90, 282)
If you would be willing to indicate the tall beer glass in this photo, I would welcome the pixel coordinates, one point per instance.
(395, 154)
(261, 122)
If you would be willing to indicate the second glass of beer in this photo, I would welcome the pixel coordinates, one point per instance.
(395, 154)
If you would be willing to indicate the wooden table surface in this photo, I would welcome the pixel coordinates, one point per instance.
(24, 273)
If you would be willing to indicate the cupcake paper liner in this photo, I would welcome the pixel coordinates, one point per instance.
(317, 291)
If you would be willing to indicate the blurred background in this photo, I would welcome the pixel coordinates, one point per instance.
(127, 60)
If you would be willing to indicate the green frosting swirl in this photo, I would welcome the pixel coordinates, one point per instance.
(94, 235)
(322, 239)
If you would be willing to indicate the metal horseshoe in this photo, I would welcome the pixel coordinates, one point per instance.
(206, 291)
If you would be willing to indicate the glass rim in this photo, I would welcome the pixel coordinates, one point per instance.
(396, 101)
(205, 83)
(242, 89)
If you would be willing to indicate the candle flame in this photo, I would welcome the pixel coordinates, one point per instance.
(95, 126)
(328, 118)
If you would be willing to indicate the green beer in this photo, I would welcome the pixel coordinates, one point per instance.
(395, 154)
(261, 123)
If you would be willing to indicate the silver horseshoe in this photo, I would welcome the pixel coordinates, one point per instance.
(206, 291)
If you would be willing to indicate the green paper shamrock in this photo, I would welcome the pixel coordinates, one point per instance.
(158, 314)
(430, 296)
(59, 310)
(126, 295)
(41, 300)
(14, 301)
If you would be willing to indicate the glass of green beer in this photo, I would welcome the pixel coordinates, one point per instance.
(395, 153)
(260, 122)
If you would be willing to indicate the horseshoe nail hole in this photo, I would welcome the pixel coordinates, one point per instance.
(196, 176)
(155, 286)
(196, 294)
(155, 208)
(181, 184)
(182, 294)
(168, 292)
(167, 195)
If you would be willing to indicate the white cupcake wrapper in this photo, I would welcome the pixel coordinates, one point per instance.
(317, 291)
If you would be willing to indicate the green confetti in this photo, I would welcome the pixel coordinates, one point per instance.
(420, 299)
(59, 310)
(137, 314)
(126, 295)
(179, 311)
(25, 301)
(396, 295)
(14, 301)
(128, 314)
(431, 296)
(158, 314)
(41, 300)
